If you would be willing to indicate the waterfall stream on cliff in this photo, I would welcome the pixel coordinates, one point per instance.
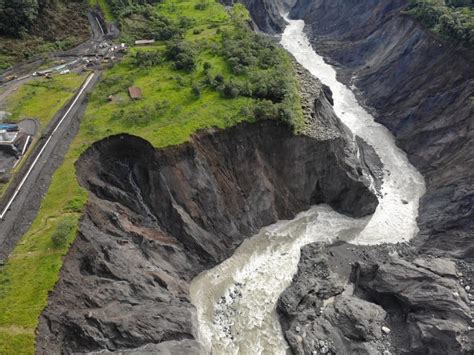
(236, 300)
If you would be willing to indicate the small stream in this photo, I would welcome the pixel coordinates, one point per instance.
(236, 300)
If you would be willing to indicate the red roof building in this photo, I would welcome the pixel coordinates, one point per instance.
(135, 93)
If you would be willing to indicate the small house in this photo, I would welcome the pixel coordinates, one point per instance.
(135, 93)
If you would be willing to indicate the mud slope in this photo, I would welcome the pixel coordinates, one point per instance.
(156, 218)
(421, 88)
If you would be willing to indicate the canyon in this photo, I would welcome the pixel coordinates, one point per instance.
(157, 218)
(159, 221)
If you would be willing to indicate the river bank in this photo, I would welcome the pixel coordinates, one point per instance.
(236, 301)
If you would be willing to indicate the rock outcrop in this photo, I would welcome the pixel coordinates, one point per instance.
(389, 301)
(157, 218)
(421, 88)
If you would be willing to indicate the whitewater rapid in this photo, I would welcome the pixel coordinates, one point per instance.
(236, 300)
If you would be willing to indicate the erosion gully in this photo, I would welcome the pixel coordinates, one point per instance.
(236, 300)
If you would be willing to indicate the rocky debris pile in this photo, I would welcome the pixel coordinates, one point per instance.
(321, 121)
(158, 217)
(316, 101)
(387, 303)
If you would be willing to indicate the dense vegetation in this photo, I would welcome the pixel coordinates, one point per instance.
(453, 19)
(206, 69)
(17, 17)
(30, 28)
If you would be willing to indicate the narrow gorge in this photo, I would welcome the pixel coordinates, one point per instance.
(348, 237)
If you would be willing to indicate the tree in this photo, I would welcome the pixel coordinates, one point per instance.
(183, 55)
(60, 235)
(17, 16)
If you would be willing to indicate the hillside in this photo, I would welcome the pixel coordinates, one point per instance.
(29, 29)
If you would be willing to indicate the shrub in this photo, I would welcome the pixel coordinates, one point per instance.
(139, 117)
(196, 90)
(185, 22)
(60, 236)
(75, 205)
(453, 19)
(207, 66)
(264, 110)
(201, 5)
(147, 58)
(183, 55)
(230, 90)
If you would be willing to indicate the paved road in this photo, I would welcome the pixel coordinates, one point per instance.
(24, 207)
(49, 154)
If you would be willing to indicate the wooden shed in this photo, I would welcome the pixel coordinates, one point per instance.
(135, 93)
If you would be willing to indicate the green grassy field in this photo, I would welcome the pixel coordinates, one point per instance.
(174, 105)
(42, 98)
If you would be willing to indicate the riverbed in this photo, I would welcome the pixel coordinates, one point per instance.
(236, 300)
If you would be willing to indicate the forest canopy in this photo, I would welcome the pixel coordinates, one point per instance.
(453, 19)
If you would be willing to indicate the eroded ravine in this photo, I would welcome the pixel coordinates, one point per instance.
(236, 300)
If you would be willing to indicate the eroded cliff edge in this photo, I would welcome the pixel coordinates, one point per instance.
(157, 218)
(421, 88)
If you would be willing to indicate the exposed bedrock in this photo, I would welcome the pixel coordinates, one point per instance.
(420, 87)
(391, 301)
(158, 217)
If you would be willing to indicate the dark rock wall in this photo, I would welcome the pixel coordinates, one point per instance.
(398, 303)
(420, 87)
(156, 218)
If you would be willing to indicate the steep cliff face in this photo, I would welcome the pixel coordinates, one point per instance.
(404, 299)
(156, 218)
(266, 13)
(421, 88)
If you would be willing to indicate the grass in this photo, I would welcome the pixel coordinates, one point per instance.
(168, 114)
(33, 267)
(41, 98)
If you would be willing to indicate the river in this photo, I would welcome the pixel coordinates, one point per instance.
(236, 300)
